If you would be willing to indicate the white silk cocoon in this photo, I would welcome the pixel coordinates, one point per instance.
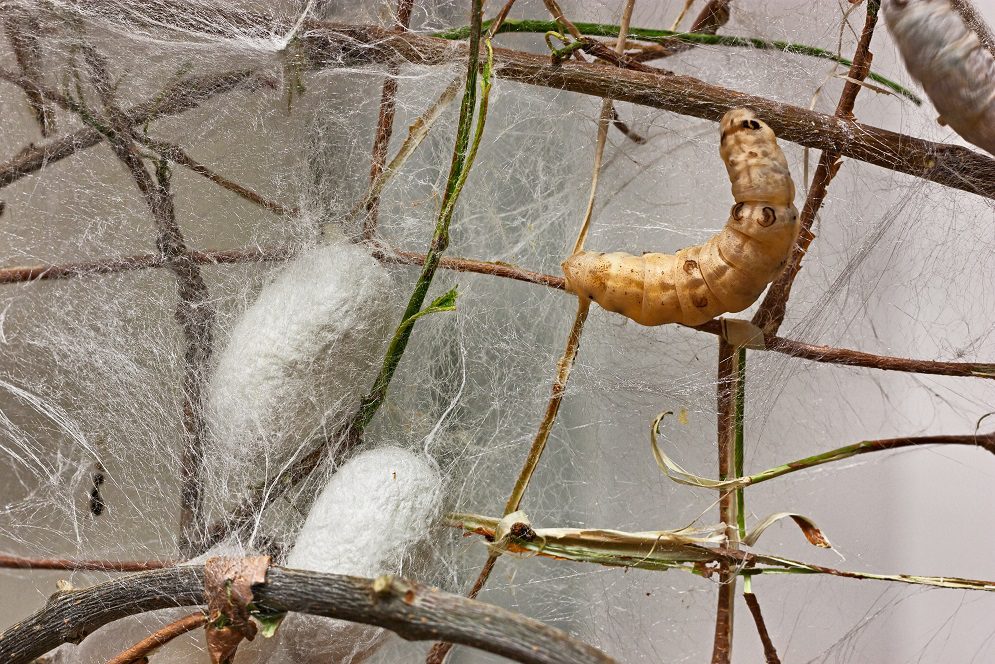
(371, 512)
(363, 523)
(299, 359)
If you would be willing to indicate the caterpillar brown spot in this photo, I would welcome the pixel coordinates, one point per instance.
(957, 72)
(729, 271)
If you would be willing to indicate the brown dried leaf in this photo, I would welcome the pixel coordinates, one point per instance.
(228, 587)
(811, 531)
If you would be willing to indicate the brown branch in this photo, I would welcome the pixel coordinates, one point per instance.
(712, 17)
(773, 309)
(385, 125)
(799, 349)
(408, 608)
(725, 394)
(171, 151)
(949, 165)
(856, 358)
(23, 32)
(770, 652)
(176, 154)
(183, 95)
(194, 312)
(138, 652)
(13, 275)
(439, 650)
(21, 562)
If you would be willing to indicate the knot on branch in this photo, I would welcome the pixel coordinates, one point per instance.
(387, 587)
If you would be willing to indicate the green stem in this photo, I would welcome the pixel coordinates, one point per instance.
(660, 36)
(463, 156)
(739, 404)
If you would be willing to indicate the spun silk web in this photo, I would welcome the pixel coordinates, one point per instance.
(95, 374)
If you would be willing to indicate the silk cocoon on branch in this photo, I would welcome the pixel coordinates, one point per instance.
(957, 72)
(300, 358)
(363, 522)
(727, 273)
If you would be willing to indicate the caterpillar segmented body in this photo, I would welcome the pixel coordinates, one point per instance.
(957, 72)
(729, 271)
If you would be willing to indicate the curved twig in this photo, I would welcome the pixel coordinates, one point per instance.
(138, 652)
(410, 609)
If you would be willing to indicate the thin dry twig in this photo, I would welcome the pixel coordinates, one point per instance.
(798, 349)
(171, 151)
(385, 124)
(140, 651)
(770, 315)
(178, 97)
(713, 16)
(176, 154)
(439, 651)
(793, 348)
(770, 652)
(725, 391)
(23, 33)
(408, 608)
(23, 562)
(194, 312)
(949, 165)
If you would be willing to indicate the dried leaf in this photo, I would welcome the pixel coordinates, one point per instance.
(811, 531)
(228, 587)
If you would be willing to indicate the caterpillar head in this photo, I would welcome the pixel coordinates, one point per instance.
(740, 120)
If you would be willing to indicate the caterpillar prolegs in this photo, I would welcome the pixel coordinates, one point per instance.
(945, 55)
(729, 271)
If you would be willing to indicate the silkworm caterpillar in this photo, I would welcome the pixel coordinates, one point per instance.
(729, 271)
(945, 55)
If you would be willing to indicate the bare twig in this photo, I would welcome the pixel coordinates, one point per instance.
(566, 362)
(949, 165)
(385, 125)
(27, 273)
(416, 134)
(176, 154)
(682, 14)
(22, 562)
(726, 390)
(856, 358)
(194, 311)
(23, 33)
(408, 608)
(139, 651)
(770, 652)
(799, 349)
(713, 16)
(183, 95)
(772, 310)
(171, 151)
